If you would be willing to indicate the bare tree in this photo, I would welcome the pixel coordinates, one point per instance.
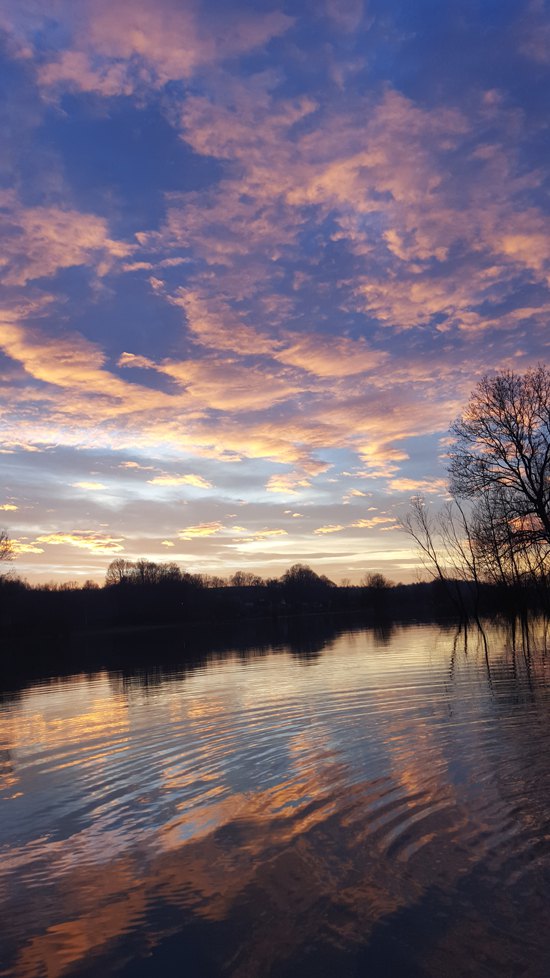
(377, 581)
(118, 571)
(245, 579)
(419, 524)
(6, 546)
(447, 551)
(503, 443)
(511, 551)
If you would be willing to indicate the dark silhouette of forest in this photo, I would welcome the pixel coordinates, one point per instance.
(145, 593)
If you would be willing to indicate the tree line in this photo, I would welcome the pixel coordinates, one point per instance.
(144, 592)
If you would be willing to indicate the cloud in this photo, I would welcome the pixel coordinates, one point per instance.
(215, 326)
(386, 184)
(22, 546)
(129, 46)
(331, 356)
(200, 530)
(346, 15)
(81, 395)
(403, 484)
(289, 483)
(73, 364)
(99, 543)
(261, 535)
(230, 386)
(534, 33)
(133, 360)
(8, 507)
(76, 70)
(88, 485)
(39, 241)
(181, 480)
(374, 521)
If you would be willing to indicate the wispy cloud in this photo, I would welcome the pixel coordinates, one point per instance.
(99, 543)
(88, 485)
(181, 480)
(39, 241)
(22, 546)
(200, 530)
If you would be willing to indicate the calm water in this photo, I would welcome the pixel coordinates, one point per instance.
(379, 808)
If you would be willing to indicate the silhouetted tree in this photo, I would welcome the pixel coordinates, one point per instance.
(376, 581)
(6, 547)
(118, 571)
(302, 586)
(502, 443)
(245, 579)
(509, 551)
(446, 550)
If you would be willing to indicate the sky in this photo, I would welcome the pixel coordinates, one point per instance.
(254, 258)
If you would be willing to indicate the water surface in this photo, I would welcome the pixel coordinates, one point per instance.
(378, 807)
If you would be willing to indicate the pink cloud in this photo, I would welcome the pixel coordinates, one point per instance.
(38, 241)
(123, 47)
(330, 356)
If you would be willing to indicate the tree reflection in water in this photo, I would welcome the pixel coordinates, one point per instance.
(340, 802)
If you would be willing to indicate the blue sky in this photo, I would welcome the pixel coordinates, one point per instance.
(255, 257)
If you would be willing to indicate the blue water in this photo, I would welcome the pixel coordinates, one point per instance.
(379, 808)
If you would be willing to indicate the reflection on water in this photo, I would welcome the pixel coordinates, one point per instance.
(380, 807)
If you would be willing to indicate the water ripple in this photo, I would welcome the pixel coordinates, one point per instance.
(375, 780)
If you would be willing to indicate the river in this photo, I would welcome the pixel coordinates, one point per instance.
(371, 803)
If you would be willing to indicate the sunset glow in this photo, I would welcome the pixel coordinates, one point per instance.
(255, 256)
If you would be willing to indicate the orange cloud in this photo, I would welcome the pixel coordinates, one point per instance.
(375, 521)
(402, 484)
(200, 530)
(99, 543)
(291, 483)
(331, 356)
(181, 480)
(216, 326)
(262, 535)
(228, 385)
(20, 545)
(38, 241)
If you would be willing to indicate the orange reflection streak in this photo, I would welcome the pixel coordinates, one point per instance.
(271, 859)
(295, 822)
(115, 903)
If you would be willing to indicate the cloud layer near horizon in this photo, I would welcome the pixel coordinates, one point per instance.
(256, 258)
